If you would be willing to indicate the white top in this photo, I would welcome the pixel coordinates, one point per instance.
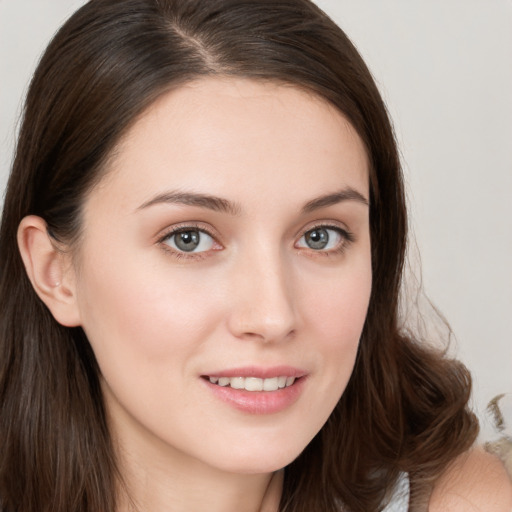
(400, 500)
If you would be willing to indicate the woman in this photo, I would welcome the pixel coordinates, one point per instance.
(202, 245)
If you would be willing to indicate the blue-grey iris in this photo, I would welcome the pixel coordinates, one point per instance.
(317, 238)
(187, 240)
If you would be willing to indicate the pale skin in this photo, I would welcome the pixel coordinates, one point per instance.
(217, 157)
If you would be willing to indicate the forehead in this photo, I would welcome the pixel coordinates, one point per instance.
(238, 136)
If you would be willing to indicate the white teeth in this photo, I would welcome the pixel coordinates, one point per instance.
(224, 381)
(290, 381)
(270, 384)
(237, 382)
(254, 383)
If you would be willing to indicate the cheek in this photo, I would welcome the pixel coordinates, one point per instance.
(339, 307)
(337, 311)
(142, 313)
(334, 314)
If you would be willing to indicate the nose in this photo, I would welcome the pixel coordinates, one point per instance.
(262, 299)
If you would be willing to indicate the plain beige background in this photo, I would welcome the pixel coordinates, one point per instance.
(445, 70)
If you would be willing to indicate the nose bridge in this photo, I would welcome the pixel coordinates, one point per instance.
(263, 305)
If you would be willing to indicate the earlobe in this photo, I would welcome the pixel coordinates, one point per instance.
(49, 270)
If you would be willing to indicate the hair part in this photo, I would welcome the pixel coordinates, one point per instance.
(405, 407)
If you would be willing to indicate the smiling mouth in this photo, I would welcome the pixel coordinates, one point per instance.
(253, 383)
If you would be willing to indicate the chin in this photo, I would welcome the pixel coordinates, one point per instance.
(260, 460)
(256, 466)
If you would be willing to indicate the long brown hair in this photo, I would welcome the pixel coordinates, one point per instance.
(405, 407)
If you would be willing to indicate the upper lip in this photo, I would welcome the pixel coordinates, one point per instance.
(259, 372)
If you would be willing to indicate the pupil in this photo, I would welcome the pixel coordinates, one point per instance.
(317, 238)
(187, 241)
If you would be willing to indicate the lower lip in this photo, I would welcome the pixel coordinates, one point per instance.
(258, 402)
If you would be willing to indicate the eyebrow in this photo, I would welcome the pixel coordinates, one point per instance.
(346, 194)
(219, 204)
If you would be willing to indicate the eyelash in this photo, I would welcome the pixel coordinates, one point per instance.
(347, 238)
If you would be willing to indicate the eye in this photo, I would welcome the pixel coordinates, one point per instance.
(323, 238)
(189, 240)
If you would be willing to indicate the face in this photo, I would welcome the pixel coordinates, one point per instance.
(224, 274)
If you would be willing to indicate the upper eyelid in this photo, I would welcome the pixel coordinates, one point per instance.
(344, 233)
(326, 224)
(186, 226)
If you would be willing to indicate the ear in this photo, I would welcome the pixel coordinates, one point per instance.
(49, 269)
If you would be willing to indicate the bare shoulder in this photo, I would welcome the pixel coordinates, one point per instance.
(475, 482)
